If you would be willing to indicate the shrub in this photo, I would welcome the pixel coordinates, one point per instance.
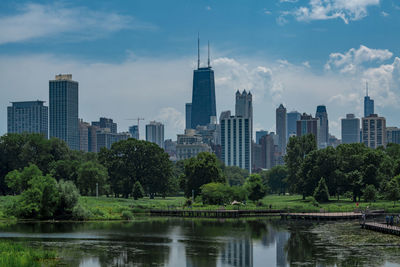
(80, 213)
(215, 193)
(255, 187)
(127, 215)
(321, 193)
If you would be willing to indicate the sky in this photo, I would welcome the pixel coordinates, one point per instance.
(136, 58)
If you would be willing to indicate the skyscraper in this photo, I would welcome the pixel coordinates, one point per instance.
(104, 123)
(323, 134)
(236, 133)
(392, 135)
(374, 131)
(350, 129)
(83, 135)
(308, 125)
(260, 134)
(292, 118)
(203, 95)
(63, 106)
(281, 128)
(134, 131)
(29, 117)
(188, 115)
(155, 133)
(368, 104)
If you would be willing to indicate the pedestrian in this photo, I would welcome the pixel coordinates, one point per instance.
(397, 220)
(363, 217)
(391, 220)
(387, 220)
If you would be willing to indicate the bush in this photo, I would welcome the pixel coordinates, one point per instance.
(255, 187)
(127, 215)
(69, 197)
(321, 193)
(80, 213)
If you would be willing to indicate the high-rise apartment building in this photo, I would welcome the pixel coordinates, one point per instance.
(392, 135)
(268, 150)
(134, 131)
(308, 125)
(374, 131)
(106, 123)
(105, 138)
(236, 134)
(63, 110)
(281, 128)
(350, 129)
(155, 133)
(190, 144)
(291, 121)
(188, 116)
(29, 117)
(83, 136)
(323, 134)
(203, 95)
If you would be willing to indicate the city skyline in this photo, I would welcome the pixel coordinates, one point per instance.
(119, 84)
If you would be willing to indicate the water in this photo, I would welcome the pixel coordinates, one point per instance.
(203, 242)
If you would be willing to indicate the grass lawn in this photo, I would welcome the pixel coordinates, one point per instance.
(104, 208)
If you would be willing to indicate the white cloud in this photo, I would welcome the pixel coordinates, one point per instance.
(171, 118)
(384, 14)
(36, 21)
(352, 60)
(347, 10)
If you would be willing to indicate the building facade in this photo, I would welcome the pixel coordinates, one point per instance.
(190, 144)
(155, 133)
(63, 110)
(83, 136)
(28, 117)
(291, 121)
(134, 131)
(281, 128)
(350, 129)
(106, 123)
(268, 151)
(308, 125)
(105, 138)
(260, 134)
(323, 134)
(203, 96)
(392, 135)
(374, 131)
(188, 116)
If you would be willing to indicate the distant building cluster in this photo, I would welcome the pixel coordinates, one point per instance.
(230, 137)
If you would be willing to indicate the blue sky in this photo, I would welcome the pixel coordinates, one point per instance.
(135, 58)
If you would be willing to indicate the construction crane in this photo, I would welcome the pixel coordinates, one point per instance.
(138, 122)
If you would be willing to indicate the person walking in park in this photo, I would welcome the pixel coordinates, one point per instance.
(397, 219)
(387, 220)
(391, 220)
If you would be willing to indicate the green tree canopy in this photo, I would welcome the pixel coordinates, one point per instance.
(321, 193)
(255, 187)
(91, 174)
(200, 170)
(137, 191)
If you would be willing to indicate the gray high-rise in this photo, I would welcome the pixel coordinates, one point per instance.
(134, 131)
(350, 129)
(63, 106)
(281, 128)
(155, 133)
(28, 117)
(203, 95)
(323, 134)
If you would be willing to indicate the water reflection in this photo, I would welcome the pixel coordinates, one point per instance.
(193, 243)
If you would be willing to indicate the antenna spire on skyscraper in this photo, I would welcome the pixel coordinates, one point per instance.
(366, 87)
(198, 50)
(208, 53)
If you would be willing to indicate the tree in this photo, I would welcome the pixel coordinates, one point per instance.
(137, 191)
(200, 170)
(370, 193)
(69, 196)
(65, 170)
(296, 151)
(321, 193)
(90, 175)
(255, 187)
(392, 191)
(134, 160)
(275, 179)
(235, 175)
(215, 193)
(19, 181)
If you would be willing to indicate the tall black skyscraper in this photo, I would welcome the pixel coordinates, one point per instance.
(323, 134)
(203, 96)
(368, 104)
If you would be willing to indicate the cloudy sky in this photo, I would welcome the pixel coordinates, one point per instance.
(136, 58)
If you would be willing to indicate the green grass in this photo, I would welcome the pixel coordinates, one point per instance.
(104, 208)
(16, 255)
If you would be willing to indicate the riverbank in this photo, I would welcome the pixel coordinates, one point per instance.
(104, 208)
(13, 254)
